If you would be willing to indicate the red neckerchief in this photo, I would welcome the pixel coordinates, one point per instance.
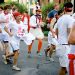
(38, 18)
(28, 17)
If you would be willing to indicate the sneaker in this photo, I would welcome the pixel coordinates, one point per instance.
(9, 61)
(16, 68)
(39, 54)
(4, 57)
(51, 59)
(29, 55)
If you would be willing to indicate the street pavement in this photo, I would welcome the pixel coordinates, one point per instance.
(36, 65)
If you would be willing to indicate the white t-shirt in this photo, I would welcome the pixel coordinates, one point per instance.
(33, 21)
(17, 28)
(63, 23)
(2, 17)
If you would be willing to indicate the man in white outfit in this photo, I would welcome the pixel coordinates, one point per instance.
(63, 25)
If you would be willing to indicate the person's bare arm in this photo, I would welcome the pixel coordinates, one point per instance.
(6, 29)
(71, 36)
(0, 30)
(56, 32)
(3, 21)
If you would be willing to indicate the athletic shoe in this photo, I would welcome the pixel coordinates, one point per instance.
(5, 60)
(29, 55)
(16, 68)
(51, 59)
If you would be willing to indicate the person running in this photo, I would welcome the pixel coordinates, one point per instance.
(19, 31)
(63, 26)
(4, 35)
(52, 40)
(35, 29)
(26, 21)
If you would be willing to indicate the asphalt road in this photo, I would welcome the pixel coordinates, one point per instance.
(36, 65)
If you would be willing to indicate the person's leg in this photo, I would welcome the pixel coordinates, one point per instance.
(15, 60)
(64, 63)
(6, 49)
(47, 50)
(51, 50)
(63, 71)
(30, 47)
(39, 45)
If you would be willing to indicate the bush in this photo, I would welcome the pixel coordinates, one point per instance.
(21, 7)
(45, 10)
(46, 33)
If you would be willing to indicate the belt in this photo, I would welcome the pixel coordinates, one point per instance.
(64, 44)
(33, 27)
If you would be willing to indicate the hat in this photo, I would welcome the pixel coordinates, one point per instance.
(16, 14)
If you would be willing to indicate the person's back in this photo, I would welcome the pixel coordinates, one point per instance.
(63, 24)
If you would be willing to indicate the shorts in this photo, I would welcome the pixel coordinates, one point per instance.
(63, 60)
(14, 43)
(63, 52)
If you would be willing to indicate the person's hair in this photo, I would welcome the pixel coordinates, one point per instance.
(1, 7)
(7, 7)
(68, 6)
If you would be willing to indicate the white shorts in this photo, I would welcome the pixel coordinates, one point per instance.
(63, 60)
(4, 37)
(37, 33)
(52, 40)
(28, 38)
(14, 43)
(62, 52)
(72, 49)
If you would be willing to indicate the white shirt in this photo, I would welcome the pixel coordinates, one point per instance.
(63, 23)
(14, 26)
(2, 17)
(34, 21)
(25, 22)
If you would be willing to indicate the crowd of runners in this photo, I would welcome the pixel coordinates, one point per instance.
(16, 26)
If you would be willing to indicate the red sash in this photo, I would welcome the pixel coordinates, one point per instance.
(28, 17)
(71, 64)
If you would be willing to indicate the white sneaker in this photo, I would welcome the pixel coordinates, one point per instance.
(51, 59)
(16, 68)
(39, 54)
(4, 57)
(29, 55)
